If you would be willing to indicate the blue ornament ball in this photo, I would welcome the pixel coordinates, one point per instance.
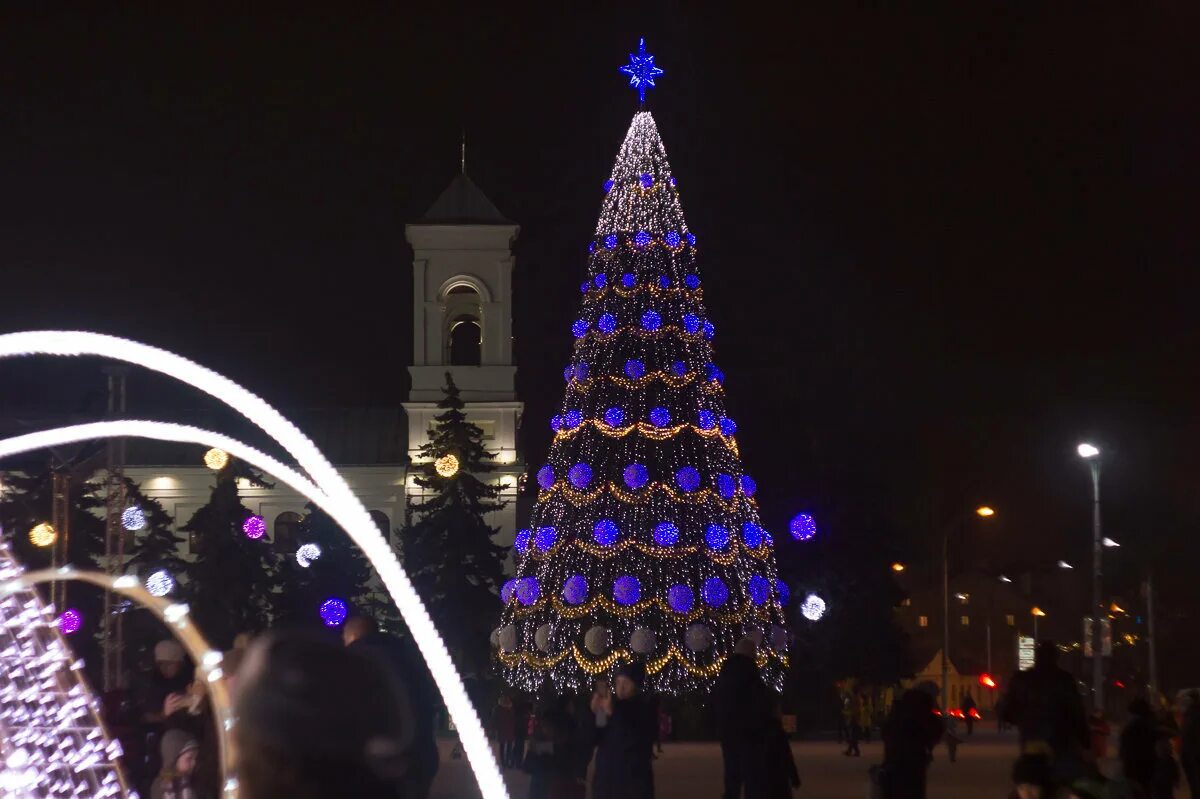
(715, 593)
(688, 479)
(507, 590)
(759, 589)
(691, 323)
(642, 239)
(679, 368)
(572, 419)
(691, 239)
(580, 328)
(582, 370)
(803, 527)
(680, 598)
(528, 590)
(568, 372)
(607, 323)
(608, 184)
(666, 534)
(713, 373)
(601, 280)
(752, 534)
(626, 589)
(692, 282)
(585, 286)
(728, 426)
(782, 592)
(636, 475)
(646, 179)
(707, 420)
(671, 181)
(709, 330)
(606, 532)
(749, 487)
(545, 477)
(333, 611)
(521, 542)
(629, 280)
(580, 475)
(716, 536)
(545, 538)
(610, 241)
(650, 320)
(660, 417)
(614, 417)
(664, 282)
(672, 238)
(575, 589)
(634, 369)
(591, 246)
(556, 423)
(726, 486)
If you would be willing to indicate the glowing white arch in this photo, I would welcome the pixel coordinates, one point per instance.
(343, 506)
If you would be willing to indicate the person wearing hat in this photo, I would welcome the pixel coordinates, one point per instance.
(179, 752)
(320, 721)
(625, 750)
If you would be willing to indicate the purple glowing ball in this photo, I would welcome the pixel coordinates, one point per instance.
(70, 621)
(333, 612)
(575, 589)
(255, 527)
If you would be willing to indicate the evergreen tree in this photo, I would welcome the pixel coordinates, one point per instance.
(645, 542)
(156, 546)
(447, 546)
(233, 582)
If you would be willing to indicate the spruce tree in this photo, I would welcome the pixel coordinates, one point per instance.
(447, 545)
(156, 546)
(233, 582)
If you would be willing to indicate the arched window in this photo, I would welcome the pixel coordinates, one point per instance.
(465, 340)
(383, 523)
(462, 288)
(287, 528)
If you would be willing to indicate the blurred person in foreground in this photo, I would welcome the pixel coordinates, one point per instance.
(319, 721)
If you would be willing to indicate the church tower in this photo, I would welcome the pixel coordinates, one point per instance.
(462, 324)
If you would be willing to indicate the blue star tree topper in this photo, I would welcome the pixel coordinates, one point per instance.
(641, 70)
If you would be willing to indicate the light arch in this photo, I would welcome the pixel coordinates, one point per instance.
(465, 279)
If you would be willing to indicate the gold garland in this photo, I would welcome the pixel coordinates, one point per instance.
(648, 431)
(661, 331)
(699, 497)
(670, 380)
(650, 288)
(653, 666)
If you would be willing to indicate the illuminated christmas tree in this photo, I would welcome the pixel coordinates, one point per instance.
(645, 542)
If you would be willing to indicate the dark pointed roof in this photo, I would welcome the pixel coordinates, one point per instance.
(462, 203)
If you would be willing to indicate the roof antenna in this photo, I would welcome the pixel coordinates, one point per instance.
(463, 162)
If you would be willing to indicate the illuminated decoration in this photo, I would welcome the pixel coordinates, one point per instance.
(575, 589)
(160, 583)
(582, 370)
(580, 328)
(782, 592)
(334, 611)
(255, 527)
(691, 239)
(572, 419)
(600, 280)
(447, 465)
(528, 590)
(987, 681)
(662, 529)
(42, 535)
(608, 184)
(545, 476)
(70, 622)
(521, 542)
(307, 554)
(133, 518)
(545, 538)
(556, 423)
(709, 330)
(641, 71)
(507, 590)
(802, 527)
(216, 459)
(506, 638)
(586, 285)
(813, 607)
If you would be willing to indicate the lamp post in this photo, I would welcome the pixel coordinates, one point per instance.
(983, 512)
(1091, 454)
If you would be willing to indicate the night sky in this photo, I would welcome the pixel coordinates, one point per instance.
(939, 248)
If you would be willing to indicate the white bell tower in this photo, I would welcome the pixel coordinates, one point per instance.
(462, 324)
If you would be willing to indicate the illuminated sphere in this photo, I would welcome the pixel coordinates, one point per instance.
(671, 181)
(580, 328)
(545, 477)
(586, 285)
(541, 638)
(573, 418)
(803, 527)
(642, 239)
(507, 639)
(580, 475)
(216, 459)
(591, 246)
(759, 589)
(688, 479)
(613, 417)
(643, 641)
(42, 535)
(610, 241)
(607, 323)
(528, 590)
(545, 538)
(447, 465)
(691, 323)
(691, 239)
(782, 592)
(779, 638)
(707, 420)
(680, 598)
(636, 475)
(556, 423)
(596, 640)
(608, 184)
(626, 589)
(601, 280)
(568, 372)
(651, 320)
(306, 554)
(726, 486)
(660, 417)
(133, 518)
(716, 536)
(646, 179)
(715, 593)
(709, 330)
(255, 527)
(634, 369)
(521, 542)
(714, 373)
(507, 590)
(672, 238)
(629, 280)
(575, 589)
(692, 282)
(679, 369)
(70, 621)
(728, 426)
(664, 282)
(160, 583)
(698, 637)
(666, 534)
(606, 532)
(749, 487)
(752, 534)
(813, 607)
(581, 370)
(334, 611)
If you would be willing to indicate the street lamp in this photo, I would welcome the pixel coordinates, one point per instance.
(983, 512)
(1091, 454)
(898, 567)
(1108, 542)
(1062, 564)
(1037, 613)
(1005, 579)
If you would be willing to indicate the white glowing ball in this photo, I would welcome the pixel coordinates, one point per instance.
(541, 638)
(306, 554)
(596, 640)
(813, 608)
(698, 637)
(160, 583)
(133, 518)
(216, 459)
(643, 641)
(507, 638)
(779, 638)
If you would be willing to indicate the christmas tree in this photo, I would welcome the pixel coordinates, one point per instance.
(156, 546)
(645, 542)
(232, 586)
(447, 546)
